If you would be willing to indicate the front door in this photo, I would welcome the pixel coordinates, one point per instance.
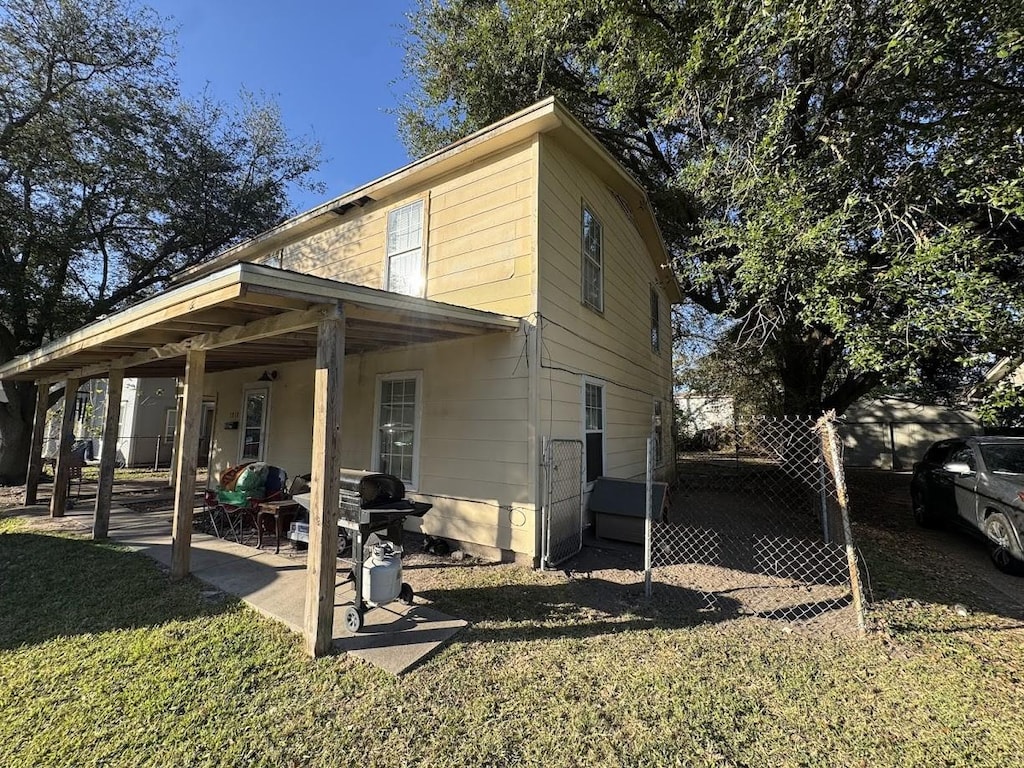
(255, 407)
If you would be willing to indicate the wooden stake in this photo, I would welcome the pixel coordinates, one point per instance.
(828, 434)
(321, 567)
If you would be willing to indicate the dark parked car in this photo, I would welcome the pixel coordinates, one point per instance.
(977, 482)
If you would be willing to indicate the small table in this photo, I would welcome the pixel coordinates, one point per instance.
(282, 511)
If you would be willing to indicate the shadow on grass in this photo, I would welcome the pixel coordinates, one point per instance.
(53, 586)
(577, 608)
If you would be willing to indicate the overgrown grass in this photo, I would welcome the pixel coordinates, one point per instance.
(103, 661)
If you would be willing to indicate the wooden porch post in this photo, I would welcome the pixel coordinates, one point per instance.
(62, 473)
(35, 455)
(321, 566)
(187, 451)
(108, 456)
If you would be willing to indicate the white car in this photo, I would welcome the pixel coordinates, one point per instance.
(978, 482)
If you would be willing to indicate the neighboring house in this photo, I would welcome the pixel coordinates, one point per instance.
(146, 425)
(893, 434)
(510, 288)
(700, 413)
(1008, 368)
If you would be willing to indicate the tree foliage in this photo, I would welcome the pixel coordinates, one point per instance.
(841, 180)
(110, 180)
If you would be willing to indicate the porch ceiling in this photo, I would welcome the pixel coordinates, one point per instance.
(247, 315)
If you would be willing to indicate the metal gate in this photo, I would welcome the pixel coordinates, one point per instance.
(562, 518)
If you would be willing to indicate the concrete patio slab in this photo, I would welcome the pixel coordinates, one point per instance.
(395, 637)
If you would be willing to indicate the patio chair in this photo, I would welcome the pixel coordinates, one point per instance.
(214, 515)
(233, 505)
(76, 460)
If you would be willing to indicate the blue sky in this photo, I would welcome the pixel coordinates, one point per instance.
(331, 66)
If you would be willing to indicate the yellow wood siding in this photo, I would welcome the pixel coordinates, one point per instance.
(613, 346)
(473, 439)
(479, 238)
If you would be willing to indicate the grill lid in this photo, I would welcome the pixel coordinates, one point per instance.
(372, 488)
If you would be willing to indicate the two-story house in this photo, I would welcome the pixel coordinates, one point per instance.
(437, 324)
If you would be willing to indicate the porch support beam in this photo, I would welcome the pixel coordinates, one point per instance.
(108, 455)
(62, 473)
(321, 567)
(35, 454)
(275, 325)
(175, 303)
(187, 451)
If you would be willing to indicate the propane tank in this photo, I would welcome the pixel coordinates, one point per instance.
(382, 575)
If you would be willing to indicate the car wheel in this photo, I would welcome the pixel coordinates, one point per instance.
(923, 516)
(1004, 548)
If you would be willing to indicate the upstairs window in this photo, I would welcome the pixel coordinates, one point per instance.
(655, 318)
(405, 250)
(593, 261)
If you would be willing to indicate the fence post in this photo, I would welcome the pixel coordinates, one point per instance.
(156, 453)
(829, 434)
(648, 515)
(545, 509)
(826, 535)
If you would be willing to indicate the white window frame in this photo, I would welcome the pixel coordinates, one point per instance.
(170, 424)
(265, 426)
(414, 483)
(655, 310)
(585, 211)
(424, 202)
(589, 484)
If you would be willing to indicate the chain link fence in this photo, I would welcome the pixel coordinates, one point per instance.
(761, 528)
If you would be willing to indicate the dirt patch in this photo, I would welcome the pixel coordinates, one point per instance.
(11, 496)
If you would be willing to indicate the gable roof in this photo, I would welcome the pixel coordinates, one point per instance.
(547, 116)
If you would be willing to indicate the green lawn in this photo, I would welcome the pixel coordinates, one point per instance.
(103, 661)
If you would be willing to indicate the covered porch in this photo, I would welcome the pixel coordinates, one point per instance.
(242, 316)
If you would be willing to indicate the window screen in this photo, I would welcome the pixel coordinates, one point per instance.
(405, 249)
(592, 261)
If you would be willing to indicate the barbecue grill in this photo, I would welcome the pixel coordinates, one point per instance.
(370, 503)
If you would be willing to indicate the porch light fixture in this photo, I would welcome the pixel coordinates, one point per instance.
(268, 376)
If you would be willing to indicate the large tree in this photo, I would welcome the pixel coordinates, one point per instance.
(111, 181)
(842, 179)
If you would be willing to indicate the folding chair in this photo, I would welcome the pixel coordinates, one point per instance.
(232, 510)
